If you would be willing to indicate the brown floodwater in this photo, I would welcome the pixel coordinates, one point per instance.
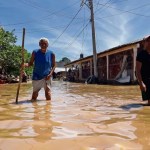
(79, 117)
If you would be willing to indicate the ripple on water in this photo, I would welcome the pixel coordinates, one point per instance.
(87, 116)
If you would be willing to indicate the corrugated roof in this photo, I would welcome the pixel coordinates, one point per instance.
(120, 46)
(108, 50)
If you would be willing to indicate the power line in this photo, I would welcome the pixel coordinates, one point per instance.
(75, 37)
(78, 35)
(105, 5)
(47, 10)
(33, 30)
(67, 26)
(39, 20)
(127, 11)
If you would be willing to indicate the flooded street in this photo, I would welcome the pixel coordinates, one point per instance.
(79, 117)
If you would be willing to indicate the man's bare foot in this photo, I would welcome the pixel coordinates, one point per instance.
(33, 100)
(48, 99)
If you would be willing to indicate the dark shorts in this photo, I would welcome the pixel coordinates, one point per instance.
(147, 83)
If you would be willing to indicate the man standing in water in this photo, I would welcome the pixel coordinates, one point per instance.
(143, 69)
(43, 61)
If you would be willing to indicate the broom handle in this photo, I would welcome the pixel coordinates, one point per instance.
(22, 67)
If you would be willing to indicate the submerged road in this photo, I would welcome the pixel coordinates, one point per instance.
(79, 117)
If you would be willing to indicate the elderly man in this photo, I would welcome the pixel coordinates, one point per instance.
(43, 61)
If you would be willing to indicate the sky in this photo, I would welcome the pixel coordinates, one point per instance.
(66, 23)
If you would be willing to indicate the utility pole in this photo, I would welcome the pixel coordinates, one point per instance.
(90, 6)
(93, 38)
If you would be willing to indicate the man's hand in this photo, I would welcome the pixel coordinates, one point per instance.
(48, 77)
(143, 87)
(24, 65)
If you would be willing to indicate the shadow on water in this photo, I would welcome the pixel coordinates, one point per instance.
(132, 106)
(26, 101)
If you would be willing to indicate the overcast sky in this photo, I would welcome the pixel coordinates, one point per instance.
(67, 25)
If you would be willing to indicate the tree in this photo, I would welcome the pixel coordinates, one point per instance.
(7, 44)
(65, 60)
(10, 54)
(7, 39)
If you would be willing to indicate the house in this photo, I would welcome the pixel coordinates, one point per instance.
(60, 70)
(115, 65)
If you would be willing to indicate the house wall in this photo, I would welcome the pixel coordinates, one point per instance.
(113, 65)
(119, 64)
(102, 68)
(85, 69)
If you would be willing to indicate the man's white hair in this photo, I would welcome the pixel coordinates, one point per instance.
(44, 39)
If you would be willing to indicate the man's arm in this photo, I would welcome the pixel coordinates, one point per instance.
(30, 62)
(53, 64)
(53, 67)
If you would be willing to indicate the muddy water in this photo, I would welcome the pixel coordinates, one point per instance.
(79, 117)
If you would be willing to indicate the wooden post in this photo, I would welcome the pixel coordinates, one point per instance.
(93, 39)
(22, 67)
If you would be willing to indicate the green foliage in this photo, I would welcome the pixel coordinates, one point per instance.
(10, 54)
(7, 39)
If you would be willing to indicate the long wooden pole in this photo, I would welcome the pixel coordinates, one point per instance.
(22, 67)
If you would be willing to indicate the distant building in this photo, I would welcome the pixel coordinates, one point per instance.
(115, 65)
(60, 70)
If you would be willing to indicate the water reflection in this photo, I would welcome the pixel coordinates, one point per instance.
(142, 123)
(42, 124)
(81, 116)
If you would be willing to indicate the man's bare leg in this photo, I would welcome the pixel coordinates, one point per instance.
(34, 95)
(48, 93)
